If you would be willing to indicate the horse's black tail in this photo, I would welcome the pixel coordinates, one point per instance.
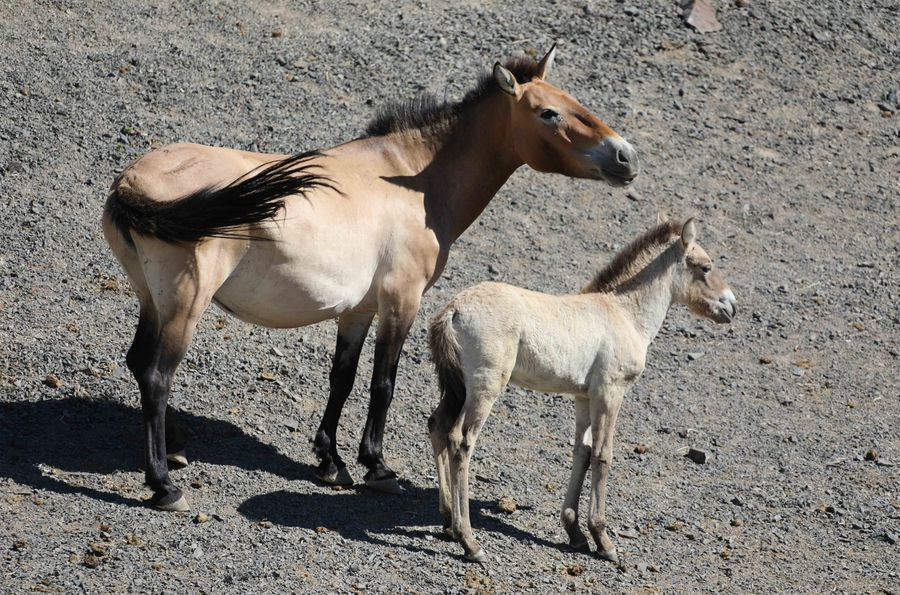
(217, 212)
(445, 352)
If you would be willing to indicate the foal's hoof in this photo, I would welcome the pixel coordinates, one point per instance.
(478, 556)
(610, 556)
(174, 502)
(177, 460)
(579, 543)
(388, 485)
(340, 477)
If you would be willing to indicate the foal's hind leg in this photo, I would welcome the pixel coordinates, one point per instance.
(352, 329)
(438, 430)
(581, 459)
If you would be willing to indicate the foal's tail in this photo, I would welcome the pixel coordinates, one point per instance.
(445, 355)
(216, 212)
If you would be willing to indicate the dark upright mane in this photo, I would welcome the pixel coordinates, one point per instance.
(431, 116)
(631, 259)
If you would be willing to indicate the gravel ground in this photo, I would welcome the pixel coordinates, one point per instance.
(779, 132)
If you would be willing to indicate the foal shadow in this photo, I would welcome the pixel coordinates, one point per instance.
(372, 517)
(39, 441)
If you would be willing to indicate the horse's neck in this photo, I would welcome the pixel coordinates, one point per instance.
(469, 166)
(649, 295)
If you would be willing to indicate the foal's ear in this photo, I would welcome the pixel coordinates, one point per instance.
(505, 80)
(688, 232)
(546, 63)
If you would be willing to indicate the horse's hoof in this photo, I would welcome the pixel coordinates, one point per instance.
(388, 485)
(478, 556)
(341, 477)
(610, 556)
(177, 459)
(175, 502)
(580, 545)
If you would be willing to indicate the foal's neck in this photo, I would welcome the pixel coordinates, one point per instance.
(466, 166)
(649, 294)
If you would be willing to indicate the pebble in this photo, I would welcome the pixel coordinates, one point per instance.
(507, 504)
(53, 381)
(701, 16)
(641, 448)
(696, 455)
(871, 454)
(201, 517)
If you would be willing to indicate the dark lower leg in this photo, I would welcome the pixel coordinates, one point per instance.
(154, 397)
(381, 394)
(343, 373)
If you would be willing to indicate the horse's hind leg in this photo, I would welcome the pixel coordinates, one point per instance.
(438, 428)
(352, 330)
(182, 285)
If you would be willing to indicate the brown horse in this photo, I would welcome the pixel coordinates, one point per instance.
(363, 229)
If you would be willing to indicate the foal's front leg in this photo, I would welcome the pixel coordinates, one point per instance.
(581, 459)
(604, 411)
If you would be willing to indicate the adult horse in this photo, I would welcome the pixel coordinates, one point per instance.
(363, 229)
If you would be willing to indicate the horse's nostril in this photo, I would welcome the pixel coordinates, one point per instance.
(621, 157)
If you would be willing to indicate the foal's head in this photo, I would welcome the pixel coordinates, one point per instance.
(698, 284)
(552, 132)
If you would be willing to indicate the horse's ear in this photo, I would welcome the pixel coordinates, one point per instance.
(505, 80)
(688, 232)
(546, 63)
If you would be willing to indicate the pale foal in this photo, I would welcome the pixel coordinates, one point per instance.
(592, 345)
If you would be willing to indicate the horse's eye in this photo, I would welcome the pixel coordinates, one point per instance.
(549, 114)
(706, 268)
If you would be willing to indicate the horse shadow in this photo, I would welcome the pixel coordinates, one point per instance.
(363, 515)
(104, 437)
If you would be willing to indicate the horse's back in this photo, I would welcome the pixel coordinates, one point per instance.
(176, 170)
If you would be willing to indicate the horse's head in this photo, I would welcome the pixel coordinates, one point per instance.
(698, 284)
(552, 132)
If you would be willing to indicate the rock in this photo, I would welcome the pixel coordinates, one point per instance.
(694, 355)
(291, 424)
(267, 376)
(53, 381)
(675, 525)
(737, 501)
(631, 11)
(506, 504)
(201, 517)
(632, 195)
(641, 448)
(742, 3)
(701, 16)
(696, 455)
(277, 33)
(92, 561)
(891, 538)
(575, 569)
(871, 454)
(132, 539)
(737, 522)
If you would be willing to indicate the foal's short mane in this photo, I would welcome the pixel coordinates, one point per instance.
(433, 117)
(632, 259)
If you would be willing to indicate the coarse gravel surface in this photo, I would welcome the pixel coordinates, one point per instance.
(780, 133)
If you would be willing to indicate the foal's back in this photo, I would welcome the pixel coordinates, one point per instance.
(549, 343)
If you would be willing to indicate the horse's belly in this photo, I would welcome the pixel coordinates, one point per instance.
(293, 294)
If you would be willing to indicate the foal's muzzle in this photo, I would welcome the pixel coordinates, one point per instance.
(726, 307)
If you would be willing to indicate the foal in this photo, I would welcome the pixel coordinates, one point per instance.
(362, 229)
(592, 345)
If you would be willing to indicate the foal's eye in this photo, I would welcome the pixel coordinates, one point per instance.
(549, 114)
(705, 268)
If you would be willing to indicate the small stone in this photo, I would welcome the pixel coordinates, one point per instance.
(53, 381)
(291, 424)
(321, 530)
(201, 517)
(156, 566)
(738, 522)
(196, 484)
(694, 355)
(675, 526)
(696, 455)
(267, 376)
(628, 533)
(742, 3)
(632, 195)
(506, 504)
(19, 544)
(92, 561)
(132, 539)
(701, 16)
(871, 454)
(765, 359)
(641, 448)
(737, 501)
(631, 11)
(575, 569)
(493, 270)
(277, 352)
(277, 33)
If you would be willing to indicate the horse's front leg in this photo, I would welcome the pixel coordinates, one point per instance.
(581, 459)
(352, 330)
(396, 314)
(604, 411)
